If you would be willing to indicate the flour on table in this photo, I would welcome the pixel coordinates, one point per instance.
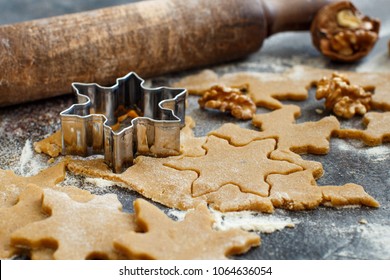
(246, 220)
(29, 165)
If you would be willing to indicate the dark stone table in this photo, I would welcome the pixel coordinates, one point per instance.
(325, 233)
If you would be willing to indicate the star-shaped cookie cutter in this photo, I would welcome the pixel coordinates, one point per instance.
(124, 120)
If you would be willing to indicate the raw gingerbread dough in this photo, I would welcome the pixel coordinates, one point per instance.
(245, 166)
(77, 230)
(299, 191)
(26, 210)
(266, 89)
(21, 198)
(377, 131)
(292, 138)
(225, 188)
(51, 145)
(192, 238)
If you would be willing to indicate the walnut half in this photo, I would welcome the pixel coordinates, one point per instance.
(228, 99)
(342, 33)
(344, 99)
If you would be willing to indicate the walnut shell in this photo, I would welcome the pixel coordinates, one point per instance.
(342, 33)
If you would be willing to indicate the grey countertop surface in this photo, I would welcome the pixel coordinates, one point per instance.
(325, 233)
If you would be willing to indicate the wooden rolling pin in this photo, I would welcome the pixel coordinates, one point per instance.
(41, 58)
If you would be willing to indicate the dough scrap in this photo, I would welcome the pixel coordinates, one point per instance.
(266, 89)
(192, 238)
(245, 166)
(51, 145)
(67, 231)
(299, 191)
(377, 129)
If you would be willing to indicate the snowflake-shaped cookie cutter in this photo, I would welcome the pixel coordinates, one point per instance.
(124, 120)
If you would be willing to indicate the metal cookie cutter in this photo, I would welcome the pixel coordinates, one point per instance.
(124, 120)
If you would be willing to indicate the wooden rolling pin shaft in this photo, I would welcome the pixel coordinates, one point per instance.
(41, 58)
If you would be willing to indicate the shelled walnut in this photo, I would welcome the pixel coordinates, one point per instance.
(344, 99)
(226, 99)
(341, 32)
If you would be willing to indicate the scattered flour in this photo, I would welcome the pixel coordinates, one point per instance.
(377, 153)
(101, 183)
(29, 165)
(246, 220)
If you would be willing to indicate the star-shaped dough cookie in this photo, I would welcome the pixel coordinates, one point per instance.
(377, 131)
(292, 138)
(192, 238)
(223, 164)
(77, 230)
(26, 210)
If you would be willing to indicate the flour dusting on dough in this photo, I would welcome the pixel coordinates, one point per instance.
(245, 220)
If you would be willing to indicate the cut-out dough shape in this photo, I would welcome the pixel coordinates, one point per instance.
(223, 164)
(78, 230)
(192, 238)
(308, 137)
(171, 187)
(26, 210)
(377, 129)
(298, 191)
(46, 178)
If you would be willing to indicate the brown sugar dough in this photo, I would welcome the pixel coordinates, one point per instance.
(46, 178)
(171, 187)
(198, 83)
(229, 198)
(292, 138)
(149, 177)
(51, 145)
(266, 89)
(307, 137)
(377, 129)
(189, 144)
(192, 238)
(299, 191)
(349, 194)
(67, 230)
(26, 210)
(245, 166)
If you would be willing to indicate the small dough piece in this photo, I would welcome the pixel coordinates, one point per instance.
(192, 238)
(349, 194)
(299, 191)
(295, 191)
(78, 230)
(25, 211)
(245, 166)
(51, 145)
(376, 133)
(198, 83)
(189, 144)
